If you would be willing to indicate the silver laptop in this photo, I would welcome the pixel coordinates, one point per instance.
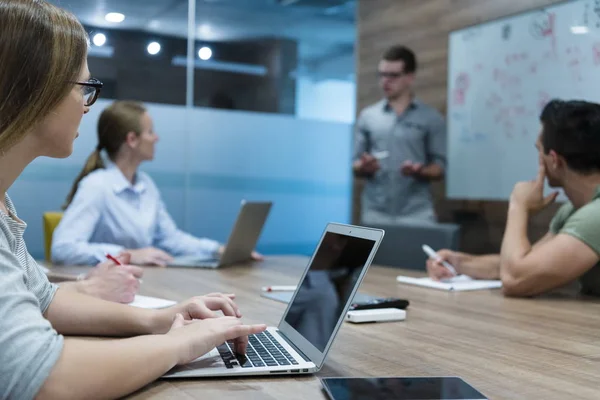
(312, 319)
(241, 242)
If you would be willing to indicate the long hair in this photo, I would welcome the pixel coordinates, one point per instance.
(115, 122)
(42, 51)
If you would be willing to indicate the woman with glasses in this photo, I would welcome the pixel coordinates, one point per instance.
(45, 89)
(115, 208)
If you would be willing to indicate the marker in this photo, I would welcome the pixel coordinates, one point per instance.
(432, 254)
(278, 288)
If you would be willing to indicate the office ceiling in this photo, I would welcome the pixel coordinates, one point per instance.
(324, 29)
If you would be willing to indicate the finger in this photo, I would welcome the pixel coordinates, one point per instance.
(217, 294)
(241, 344)
(225, 304)
(541, 175)
(430, 268)
(242, 332)
(444, 253)
(127, 298)
(135, 285)
(124, 258)
(133, 270)
(178, 321)
(233, 305)
(158, 261)
(165, 256)
(437, 271)
(200, 311)
(442, 273)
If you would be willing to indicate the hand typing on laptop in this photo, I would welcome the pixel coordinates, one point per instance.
(197, 337)
(197, 322)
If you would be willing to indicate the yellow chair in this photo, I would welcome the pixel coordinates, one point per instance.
(51, 221)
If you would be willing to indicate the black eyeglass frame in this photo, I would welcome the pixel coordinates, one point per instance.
(94, 84)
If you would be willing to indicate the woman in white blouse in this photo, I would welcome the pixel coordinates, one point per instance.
(113, 207)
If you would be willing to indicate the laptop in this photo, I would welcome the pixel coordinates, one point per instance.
(309, 325)
(241, 242)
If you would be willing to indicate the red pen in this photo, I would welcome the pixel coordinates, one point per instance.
(113, 259)
(116, 261)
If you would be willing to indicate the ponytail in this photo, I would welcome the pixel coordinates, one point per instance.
(93, 163)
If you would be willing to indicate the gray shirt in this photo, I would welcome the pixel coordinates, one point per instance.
(29, 346)
(418, 135)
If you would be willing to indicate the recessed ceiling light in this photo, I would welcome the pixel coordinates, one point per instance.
(153, 48)
(205, 53)
(99, 39)
(114, 17)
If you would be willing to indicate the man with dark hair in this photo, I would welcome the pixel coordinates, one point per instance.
(400, 146)
(569, 158)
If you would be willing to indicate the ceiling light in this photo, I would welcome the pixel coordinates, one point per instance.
(153, 48)
(99, 39)
(205, 53)
(114, 17)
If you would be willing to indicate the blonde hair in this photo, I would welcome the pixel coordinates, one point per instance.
(42, 51)
(115, 122)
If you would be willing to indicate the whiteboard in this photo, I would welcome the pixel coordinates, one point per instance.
(500, 76)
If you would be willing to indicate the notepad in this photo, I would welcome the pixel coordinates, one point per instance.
(151, 302)
(458, 283)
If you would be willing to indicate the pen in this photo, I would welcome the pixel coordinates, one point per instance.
(116, 261)
(278, 288)
(431, 253)
(113, 259)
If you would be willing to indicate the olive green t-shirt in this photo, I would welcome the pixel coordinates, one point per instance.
(583, 224)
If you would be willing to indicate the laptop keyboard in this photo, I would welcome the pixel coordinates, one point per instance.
(263, 351)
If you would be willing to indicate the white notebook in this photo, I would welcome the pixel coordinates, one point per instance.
(151, 302)
(458, 283)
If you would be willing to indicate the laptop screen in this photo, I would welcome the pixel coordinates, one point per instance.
(327, 286)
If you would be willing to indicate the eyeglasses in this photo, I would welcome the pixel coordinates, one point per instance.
(390, 75)
(91, 90)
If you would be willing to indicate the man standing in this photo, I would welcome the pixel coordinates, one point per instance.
(400, 146)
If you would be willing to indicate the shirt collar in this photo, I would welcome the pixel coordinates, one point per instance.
(120, 183)
(414, 103)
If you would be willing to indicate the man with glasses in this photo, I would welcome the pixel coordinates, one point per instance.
(400, 146)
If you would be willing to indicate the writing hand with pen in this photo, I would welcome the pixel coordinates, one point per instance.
(113, 280)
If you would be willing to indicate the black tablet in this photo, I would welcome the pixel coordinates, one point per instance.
(392, 388)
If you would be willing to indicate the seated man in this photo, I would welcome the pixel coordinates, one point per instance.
(569, 157)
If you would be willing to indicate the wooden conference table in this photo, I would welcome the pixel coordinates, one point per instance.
(543, 348)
